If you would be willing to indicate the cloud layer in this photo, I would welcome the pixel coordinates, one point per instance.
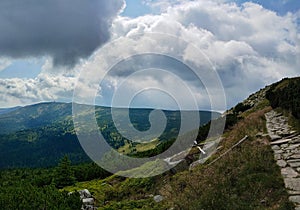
(248, 45)
(66, 30)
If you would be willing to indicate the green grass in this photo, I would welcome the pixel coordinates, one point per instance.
(140, 147)
(260, 106)
(294, 122)
(246, 178)
(117, 192)
(150, 168)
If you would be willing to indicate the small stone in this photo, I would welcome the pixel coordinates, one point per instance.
(263, 201)
(277, 156)
(274, 137)
(259, 134)
(281, 163)
(286, 155)
(293, 132)
(275, 147)
(289, 172)
(278, 151)
(158, 198)
(296, 140)
(150, 196)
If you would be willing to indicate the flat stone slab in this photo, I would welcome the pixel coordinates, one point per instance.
(285, 143)
(294, 164)
(295, 156)
(289, 172)
(277, 156)
(296, 140)
(274, 137)
(295, 199)
(286, 155)
(292, 183)
(293, 146)
(276, 147)
(278, 151)
(282, 141)
(294, 192)
(293, 160)
(293, 132)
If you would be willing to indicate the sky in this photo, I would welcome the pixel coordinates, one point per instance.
(170, 54)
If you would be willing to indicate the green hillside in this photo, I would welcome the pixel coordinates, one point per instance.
(39, 135)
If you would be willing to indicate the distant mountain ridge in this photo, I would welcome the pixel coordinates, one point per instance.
(7, 110)
(34, 116)
(39, 135)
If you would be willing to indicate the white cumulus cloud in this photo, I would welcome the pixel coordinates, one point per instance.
(248, 45)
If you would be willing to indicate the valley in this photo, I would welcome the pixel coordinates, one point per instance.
(41, 134)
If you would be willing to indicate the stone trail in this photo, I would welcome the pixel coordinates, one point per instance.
(285, 143)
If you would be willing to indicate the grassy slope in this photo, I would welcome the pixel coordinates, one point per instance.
(246, 178)
(127, 148)
(121, 193)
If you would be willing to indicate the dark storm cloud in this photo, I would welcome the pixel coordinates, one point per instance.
(67, 30)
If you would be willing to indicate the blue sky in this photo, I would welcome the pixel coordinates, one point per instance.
(16, 69)
(137, 7)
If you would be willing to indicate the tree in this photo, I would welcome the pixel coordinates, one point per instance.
(64, 174)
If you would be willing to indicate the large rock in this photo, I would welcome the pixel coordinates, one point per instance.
(88, 201)
(84, 194)
(289, 172)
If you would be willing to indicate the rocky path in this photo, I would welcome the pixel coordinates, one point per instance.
(285, 143)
